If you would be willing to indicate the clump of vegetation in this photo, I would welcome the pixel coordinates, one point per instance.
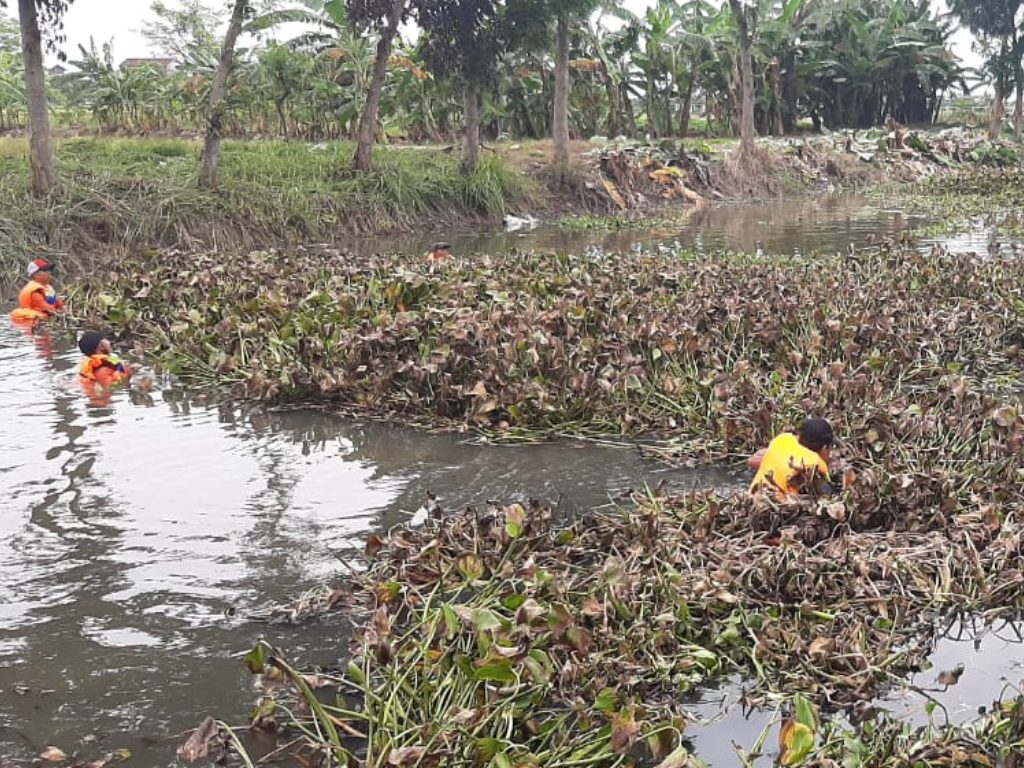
(718, 353)
(995, 739)
(502, 637)
(988, 195)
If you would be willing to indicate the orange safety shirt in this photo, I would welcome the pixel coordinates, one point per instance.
(104, 370)
(783, 461)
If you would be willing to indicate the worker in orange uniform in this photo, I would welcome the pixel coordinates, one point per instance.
(792, 459)
(101, 367)
(37, 300)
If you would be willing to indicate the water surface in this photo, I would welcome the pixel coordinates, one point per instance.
(133, 528)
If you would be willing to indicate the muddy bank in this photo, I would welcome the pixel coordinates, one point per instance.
(621, 177)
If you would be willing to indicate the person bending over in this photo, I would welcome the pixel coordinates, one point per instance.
(785, 464)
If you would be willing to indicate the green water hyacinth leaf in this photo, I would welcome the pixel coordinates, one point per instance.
(485, 620)
(796, 742)
(355, 673)
(607, 701)
(256, 659)
(495, 671)
(451, 621)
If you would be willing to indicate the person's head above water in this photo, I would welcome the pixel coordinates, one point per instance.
(93, 343)
(816, 434)
(40, 270)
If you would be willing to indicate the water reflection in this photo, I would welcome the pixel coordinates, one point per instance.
(821, 224)
(992, 657)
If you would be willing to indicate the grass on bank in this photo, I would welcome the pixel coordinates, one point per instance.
(142, 193)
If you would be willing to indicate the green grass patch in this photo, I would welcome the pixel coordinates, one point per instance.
(141, 193)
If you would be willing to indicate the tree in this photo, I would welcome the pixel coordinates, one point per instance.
(9, 39)
(745, 16)
(384, 16)
(12, 78)
(183, 33)
(215, 118)
(996, 22)
(460, 41)
(528, 24)
(34, 15)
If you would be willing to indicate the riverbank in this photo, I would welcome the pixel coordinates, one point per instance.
(129, 195)
(126, 195)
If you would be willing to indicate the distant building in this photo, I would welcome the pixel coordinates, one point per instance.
(57, 71)
(165, 64)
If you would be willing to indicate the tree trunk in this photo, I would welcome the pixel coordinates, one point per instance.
(44, 161)
(560, 118)
(214, 125)
(995, 125)
(471, 139)
(684, 112)
(652, 115)
(282, 119)
(627, 107)
(1018, 109)
(368, 120)
(747, 133)
(775, 73)
(790, 85)
(614, 104)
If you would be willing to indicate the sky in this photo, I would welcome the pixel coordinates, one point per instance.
(122, 20)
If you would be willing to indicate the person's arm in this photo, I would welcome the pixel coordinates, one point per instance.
(754, 462)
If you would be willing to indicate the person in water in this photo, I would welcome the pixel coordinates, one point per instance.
(439, 252)
(101, 367)
(791, 459)
(38, 300)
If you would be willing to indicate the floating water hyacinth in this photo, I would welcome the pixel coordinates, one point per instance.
(509, 637)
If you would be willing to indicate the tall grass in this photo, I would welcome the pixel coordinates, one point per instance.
(141, 193)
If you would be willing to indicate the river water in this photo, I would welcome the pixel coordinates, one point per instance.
(135, 531)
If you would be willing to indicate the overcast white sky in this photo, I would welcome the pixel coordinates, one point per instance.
(122, 20)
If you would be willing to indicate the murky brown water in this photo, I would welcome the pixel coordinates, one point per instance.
(131, 529)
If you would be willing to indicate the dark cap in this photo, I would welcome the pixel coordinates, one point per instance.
(90, 342)
(441, 247)
(816, 434)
